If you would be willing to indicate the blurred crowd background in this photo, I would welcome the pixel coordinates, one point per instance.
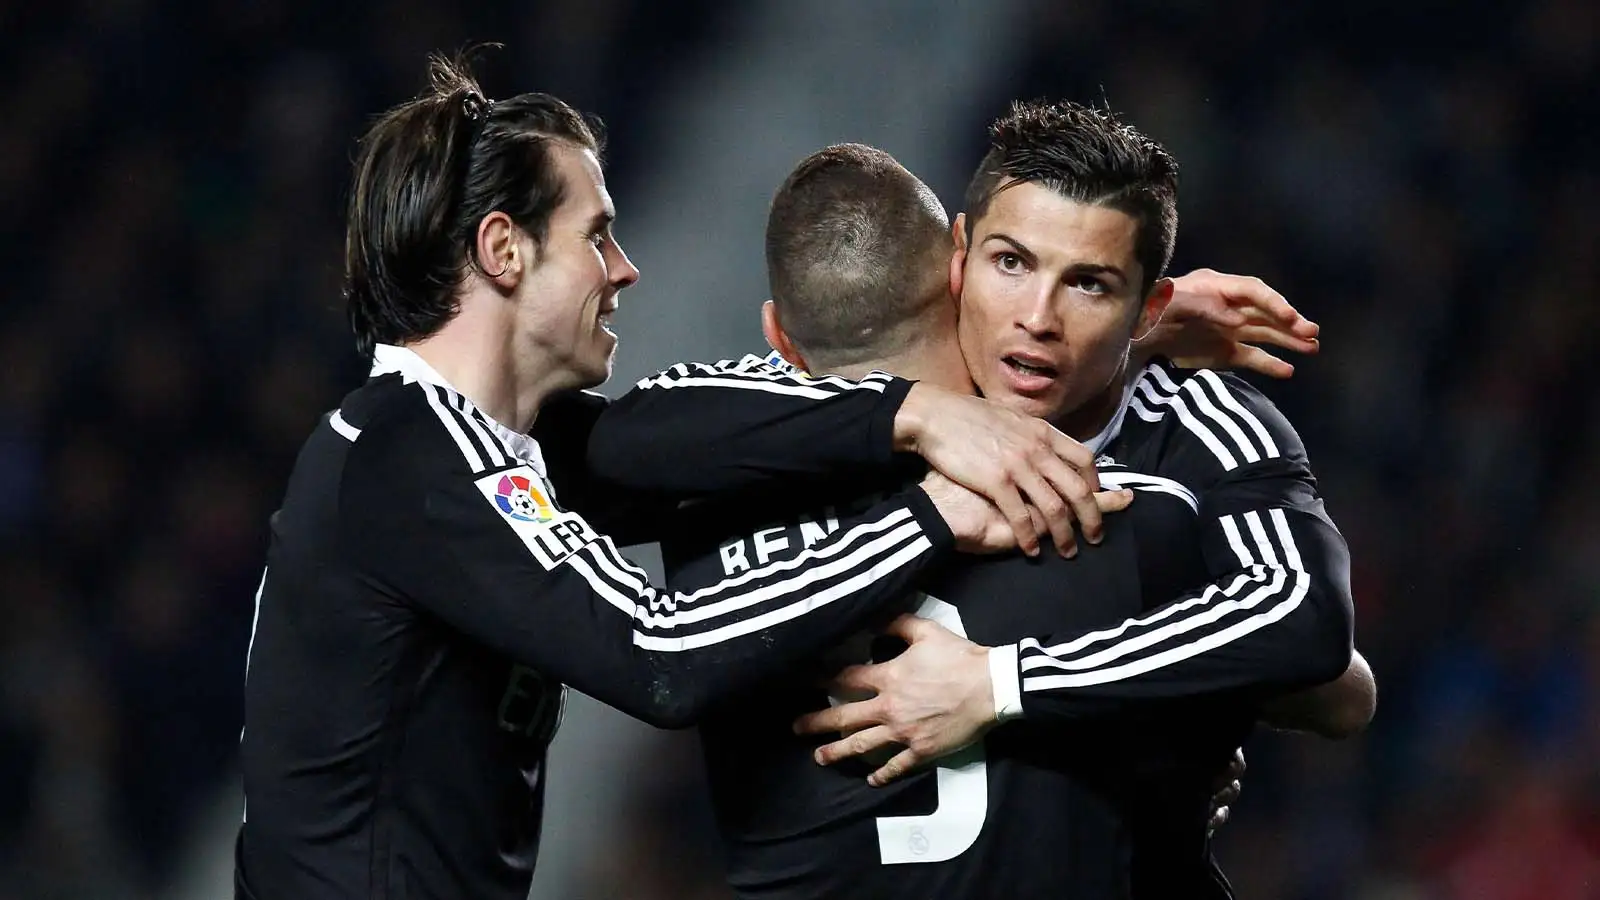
(1419, 177)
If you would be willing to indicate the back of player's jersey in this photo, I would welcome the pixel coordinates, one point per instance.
(1032, 810)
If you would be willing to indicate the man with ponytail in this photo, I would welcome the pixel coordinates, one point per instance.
(427, 596)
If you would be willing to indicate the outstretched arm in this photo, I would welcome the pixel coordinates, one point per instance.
(699, 430)
(477, 544)
(1275, 618)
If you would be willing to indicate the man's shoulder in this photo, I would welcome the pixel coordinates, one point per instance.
(417, 427)
(1220, 420)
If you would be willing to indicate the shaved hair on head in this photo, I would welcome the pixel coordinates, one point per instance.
(857, 248)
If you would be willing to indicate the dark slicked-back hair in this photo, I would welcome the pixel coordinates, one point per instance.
(856, 254)
(427, 173)
(1089, 156)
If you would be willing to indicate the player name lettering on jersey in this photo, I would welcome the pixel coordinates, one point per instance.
(781, 540)
(763, 546)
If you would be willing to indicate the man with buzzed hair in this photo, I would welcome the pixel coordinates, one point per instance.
(1099, 788)
(836, 235)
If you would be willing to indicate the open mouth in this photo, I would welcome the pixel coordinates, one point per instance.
(605, 321)
(1034, 369)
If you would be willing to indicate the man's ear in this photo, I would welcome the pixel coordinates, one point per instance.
(1154, 307)
(499, 250)
(778, 339)
(958, 259)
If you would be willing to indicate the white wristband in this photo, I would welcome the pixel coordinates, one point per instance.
(1006, 682)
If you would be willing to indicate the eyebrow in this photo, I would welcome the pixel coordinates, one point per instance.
(1016, 245)
(1079, 269)
(1098, 269)
(602, 220)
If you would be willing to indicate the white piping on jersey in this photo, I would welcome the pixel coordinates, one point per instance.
(1199, 410)
(413, 369)
(436, 398)
(894, 528)
(475, 424)
(733, 380)
(1282, 587)
(1156, 484)
(884, 566)
(866, 553)
(346, 430)
(1142, 411)
(1240, 410)
(754, 373)
(1202, 402)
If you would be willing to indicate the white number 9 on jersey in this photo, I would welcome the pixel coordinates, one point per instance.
(963, 783)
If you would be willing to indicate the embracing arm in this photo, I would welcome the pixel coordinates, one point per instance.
(1340, 709)
(481, 547)
(1274, 618)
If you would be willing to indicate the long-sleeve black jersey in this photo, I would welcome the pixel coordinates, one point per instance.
(1137, 665)
(425, 599)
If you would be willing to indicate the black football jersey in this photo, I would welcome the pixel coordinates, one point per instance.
(1137, 666)
(426, 598)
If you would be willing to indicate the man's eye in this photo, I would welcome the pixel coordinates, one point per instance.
(1009, 263)
(1090, 285)
(598, 239)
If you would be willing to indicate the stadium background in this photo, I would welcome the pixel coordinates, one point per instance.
(1419, 178)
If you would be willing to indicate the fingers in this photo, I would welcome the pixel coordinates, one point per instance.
(845, 717)
(1254, 297)
(1229, 795)
(863, 677)
(1278, 337)
(904, 762)
(1256, 359)
(864, 741)
(1300, 326)
(1047, 498)
(914, 629)
(1210, 306)
(1113, 501)
(1016, 513)
(1040, 526)
(1077, 457)
(1219, 818)
(1253, 293)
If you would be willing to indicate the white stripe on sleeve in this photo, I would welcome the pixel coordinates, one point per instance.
(1230, 401)
(438, 400)
(1217, 617)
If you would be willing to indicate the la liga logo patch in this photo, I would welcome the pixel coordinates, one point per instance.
(520, 499)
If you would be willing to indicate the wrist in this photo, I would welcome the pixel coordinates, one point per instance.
(911, 418)
(1005, 682)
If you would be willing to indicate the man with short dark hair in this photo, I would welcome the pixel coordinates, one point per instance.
(877, 243)
(1223, 586)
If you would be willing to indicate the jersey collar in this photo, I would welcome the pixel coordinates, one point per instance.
(388, 359)
(1099, 442)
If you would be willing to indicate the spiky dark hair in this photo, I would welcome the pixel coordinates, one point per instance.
(1090, 156)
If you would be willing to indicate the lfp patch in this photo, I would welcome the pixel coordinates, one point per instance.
(522, 500)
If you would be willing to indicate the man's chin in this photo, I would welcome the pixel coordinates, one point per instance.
(597, 374)
(1039, 407)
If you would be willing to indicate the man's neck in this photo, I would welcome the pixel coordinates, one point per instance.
(475, 353)
(1088, 420)
(938, 363)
